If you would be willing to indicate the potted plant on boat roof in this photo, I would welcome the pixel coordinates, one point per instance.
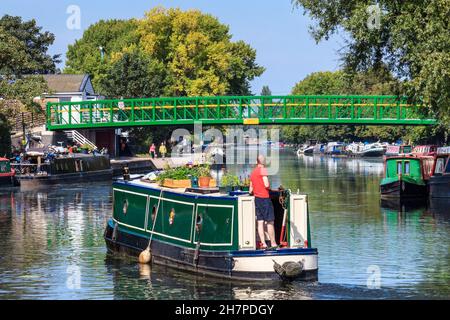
(86, 148)
(204, 176)
(228, 182)
(245, 184)
(175, 178)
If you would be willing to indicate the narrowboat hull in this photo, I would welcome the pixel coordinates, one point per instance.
(372, 153)
(35, 181)
(403, 189)
(232, 265)
(8, 181)
(439, 186)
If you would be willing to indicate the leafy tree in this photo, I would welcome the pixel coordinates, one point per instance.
(266, 91)
(134, 75)
(412, 39)
(23, 58)
(23, 48)
(190, 51)
(111, 36)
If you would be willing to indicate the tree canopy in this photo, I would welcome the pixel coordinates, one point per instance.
(23, 58)
(412, 38)
(169, 52)
(23, 48)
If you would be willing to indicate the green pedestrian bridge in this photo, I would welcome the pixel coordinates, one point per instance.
(237, 110)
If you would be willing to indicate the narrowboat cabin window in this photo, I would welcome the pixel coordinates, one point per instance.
(447, 169)
(407, 168)
(399, 167)
(440, 162)
(4, 167)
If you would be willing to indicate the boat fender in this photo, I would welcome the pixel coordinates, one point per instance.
(146, 255)
(114, 233)
(289, 270)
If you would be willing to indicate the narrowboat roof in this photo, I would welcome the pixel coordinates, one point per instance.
(443, 151)
(182, 191)
(406, 156)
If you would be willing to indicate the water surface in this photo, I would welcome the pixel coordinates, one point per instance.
(52, 243)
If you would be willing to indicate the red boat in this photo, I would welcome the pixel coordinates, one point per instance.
(7, 174)
(439, 183)
(425, 150)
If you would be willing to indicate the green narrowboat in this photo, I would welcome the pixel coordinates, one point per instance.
(7, 174)
(406, 177)
(210, 234)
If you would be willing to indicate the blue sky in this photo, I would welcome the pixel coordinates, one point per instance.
(274, 28)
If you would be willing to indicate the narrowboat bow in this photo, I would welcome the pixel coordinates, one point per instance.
(406, 177)
(210, 234)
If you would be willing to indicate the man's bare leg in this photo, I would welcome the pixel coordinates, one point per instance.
(271, 232)
(262, 236)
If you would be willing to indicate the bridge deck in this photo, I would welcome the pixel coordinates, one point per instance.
(363, 110)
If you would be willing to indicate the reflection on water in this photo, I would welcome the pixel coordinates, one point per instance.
(51, 237)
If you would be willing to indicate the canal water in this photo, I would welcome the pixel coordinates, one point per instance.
(52, 243)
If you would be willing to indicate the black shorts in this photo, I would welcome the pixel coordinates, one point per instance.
(264, 209)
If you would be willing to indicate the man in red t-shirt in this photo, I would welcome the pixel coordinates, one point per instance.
(259, 187)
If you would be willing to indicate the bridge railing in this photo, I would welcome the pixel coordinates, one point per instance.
(236, 110)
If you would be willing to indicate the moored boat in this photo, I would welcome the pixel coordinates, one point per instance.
(439, 183)
(335, 149)
(371, 150)
(395, 150)
(319, 148)
(307, 148)
(406, 177)
(7, 174)
(210, 234)
(37, 172)
(425, 150)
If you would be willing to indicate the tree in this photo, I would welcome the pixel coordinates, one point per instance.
(134, 75)
(111, 36)
(190, 51)
(411, 37)
(266, 91)
(23, 58)
(23, 48)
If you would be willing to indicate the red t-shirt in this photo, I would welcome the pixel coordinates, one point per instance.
(259, 190)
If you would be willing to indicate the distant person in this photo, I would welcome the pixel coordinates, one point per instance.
(259, 187)
(152, 150)
(163, 150)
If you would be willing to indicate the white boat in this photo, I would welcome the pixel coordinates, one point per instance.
(366, 150)
(335, 148)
